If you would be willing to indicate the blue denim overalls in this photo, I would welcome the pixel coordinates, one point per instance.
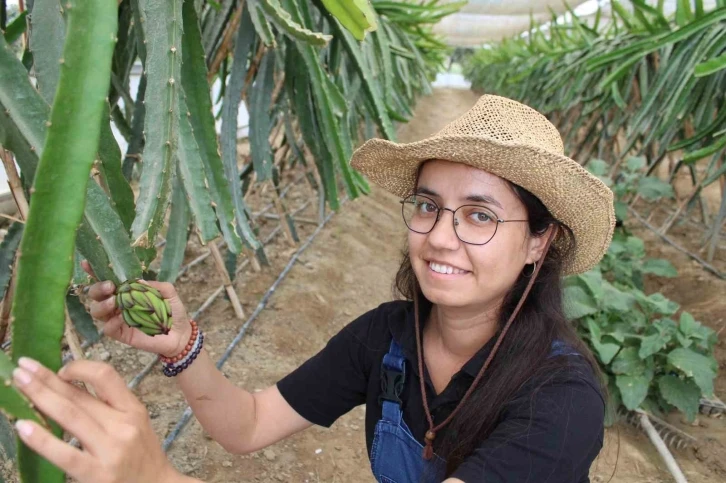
(396, 456)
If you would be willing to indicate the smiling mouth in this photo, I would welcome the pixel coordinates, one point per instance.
(446, 269)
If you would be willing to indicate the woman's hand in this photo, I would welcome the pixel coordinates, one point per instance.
(103, 307)
(118, 443)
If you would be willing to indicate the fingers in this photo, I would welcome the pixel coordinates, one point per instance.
(62, 410)
(104, 309)
(86, 266)
(72, 460)
(87, 402)
(101, 291)
(168, 291)
(109, 385)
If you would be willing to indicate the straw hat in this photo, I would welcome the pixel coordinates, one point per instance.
(517, 143)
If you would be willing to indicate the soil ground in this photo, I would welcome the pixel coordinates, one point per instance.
(347, 271)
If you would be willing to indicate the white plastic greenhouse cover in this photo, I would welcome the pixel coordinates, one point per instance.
(482, 21)
(485, 21)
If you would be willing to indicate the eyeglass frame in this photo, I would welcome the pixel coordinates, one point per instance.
(455, 222)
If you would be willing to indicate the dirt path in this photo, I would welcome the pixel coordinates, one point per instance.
(348, 270)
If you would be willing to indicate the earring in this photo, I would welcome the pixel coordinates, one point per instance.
(534, 268)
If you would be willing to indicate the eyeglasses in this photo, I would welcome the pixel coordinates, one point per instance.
(473, 224)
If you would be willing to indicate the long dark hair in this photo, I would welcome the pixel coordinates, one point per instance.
(524, 350)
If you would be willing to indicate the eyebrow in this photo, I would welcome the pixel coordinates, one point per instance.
(422, 190)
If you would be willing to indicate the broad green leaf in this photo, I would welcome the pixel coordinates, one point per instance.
(635, 163)
(633, 389)
(628, 362)
(683, 340)
(615, 299)
(598, 167)
(660, 267)
(593, 280)
(578, 303)
(658, 303)
(621, 210)
(653, 189)
(605, 350)
(687, 324)
(694, 365)
(683, 394)
(655, 341)
(635, 246)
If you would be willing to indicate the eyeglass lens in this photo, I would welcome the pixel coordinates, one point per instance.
(473, 224)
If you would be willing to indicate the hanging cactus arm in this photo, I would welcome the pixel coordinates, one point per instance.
(176, 235)
(112, 234)
(23, 118)
(230, 108)
(47, 32)
(12, 401)
(199, 103)
(46, 260)
(20, 100)
(162, 27)
(287, 25)
(357, 16)
(191, 170)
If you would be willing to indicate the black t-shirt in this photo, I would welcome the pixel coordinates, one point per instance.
(551, 430)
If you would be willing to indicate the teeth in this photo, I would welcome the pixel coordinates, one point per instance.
(446, 269)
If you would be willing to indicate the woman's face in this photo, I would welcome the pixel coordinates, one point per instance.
(482, 274)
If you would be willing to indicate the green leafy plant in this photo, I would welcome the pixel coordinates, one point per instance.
(653, 357)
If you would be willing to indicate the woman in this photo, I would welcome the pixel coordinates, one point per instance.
(475, 376)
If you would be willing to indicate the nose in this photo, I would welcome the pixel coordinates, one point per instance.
(443, 235)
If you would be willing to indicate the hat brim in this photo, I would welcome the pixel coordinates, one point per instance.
(573, 196)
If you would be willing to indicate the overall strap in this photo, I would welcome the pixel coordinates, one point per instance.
(560, 348)
(393, 375)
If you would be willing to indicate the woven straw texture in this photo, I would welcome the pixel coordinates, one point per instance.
(517, 143)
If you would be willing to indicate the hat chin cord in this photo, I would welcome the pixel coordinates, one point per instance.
(428, 450)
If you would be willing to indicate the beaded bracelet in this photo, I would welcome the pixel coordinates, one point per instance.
(175, 365)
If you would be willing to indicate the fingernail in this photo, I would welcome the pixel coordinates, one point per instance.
(86, 289)
(24, 427)
(108, 285)
(29, 364)
(21, 376)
